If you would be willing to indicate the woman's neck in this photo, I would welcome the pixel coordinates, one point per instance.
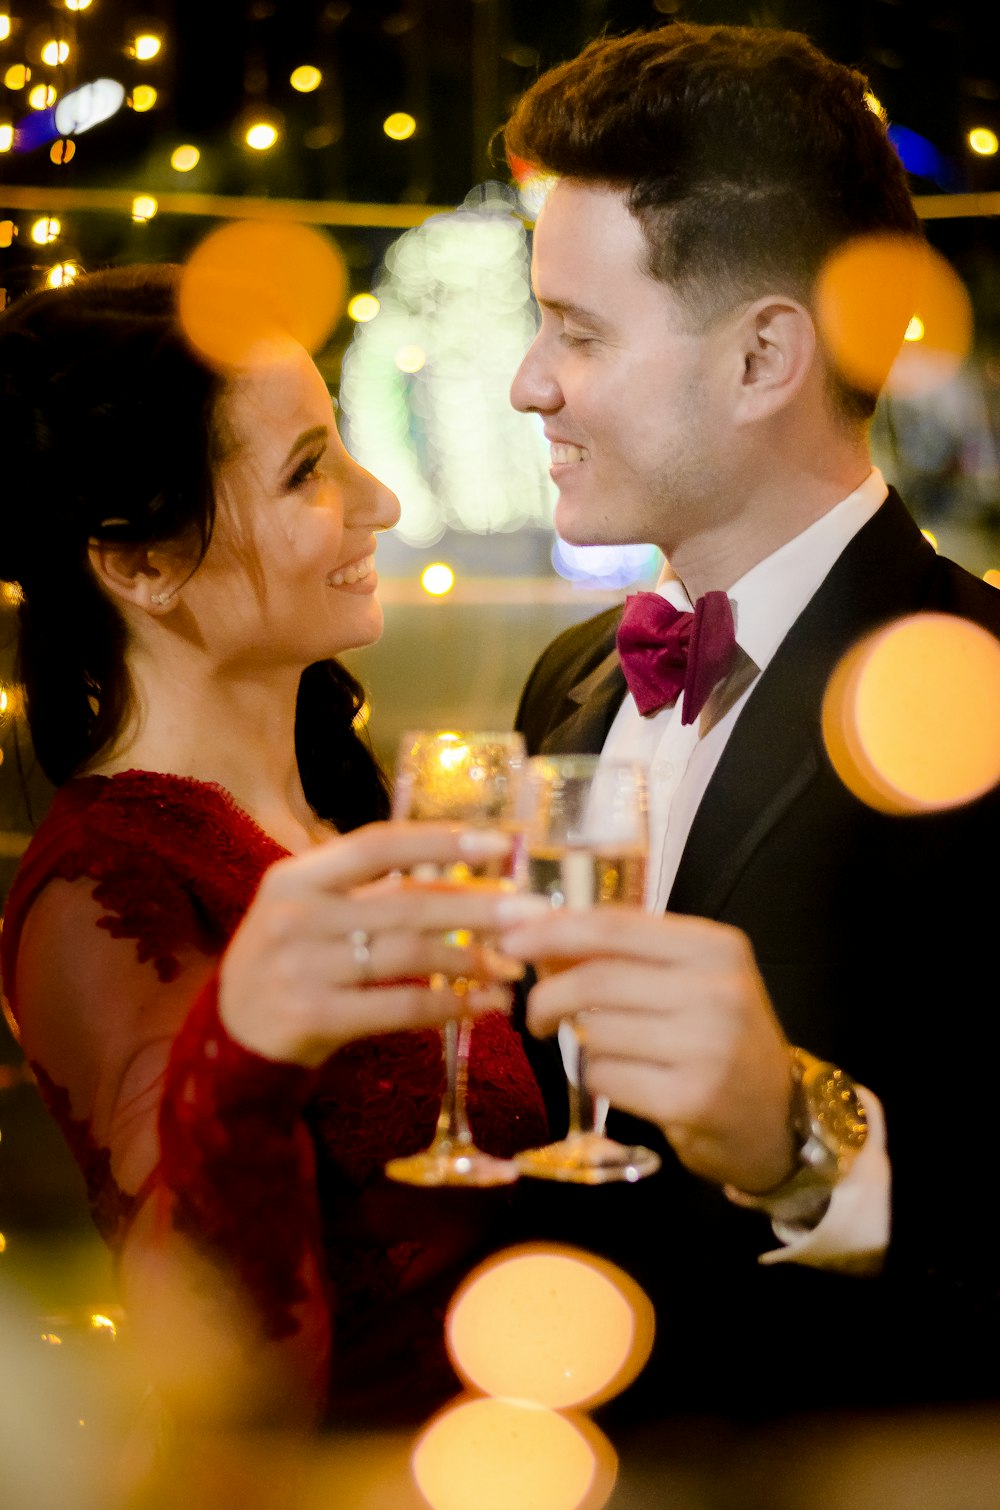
(236, 732)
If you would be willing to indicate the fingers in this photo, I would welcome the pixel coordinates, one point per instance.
(379, 848)
(618, 932)
(374, 958)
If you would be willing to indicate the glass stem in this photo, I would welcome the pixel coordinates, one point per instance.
(582, 1111)
(453, 1122)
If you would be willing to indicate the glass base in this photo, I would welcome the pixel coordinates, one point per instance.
(588, 1159)
(452, 1164)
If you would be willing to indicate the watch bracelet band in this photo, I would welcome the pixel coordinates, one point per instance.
(831, 1128)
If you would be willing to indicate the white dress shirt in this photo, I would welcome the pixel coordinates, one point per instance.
(681, 760)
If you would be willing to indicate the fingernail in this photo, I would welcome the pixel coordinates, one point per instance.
(520, 908)
(484, 841)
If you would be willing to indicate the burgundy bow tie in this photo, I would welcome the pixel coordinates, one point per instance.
(665, 651)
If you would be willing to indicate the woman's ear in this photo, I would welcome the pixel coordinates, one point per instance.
(142, 576)
(779, 351)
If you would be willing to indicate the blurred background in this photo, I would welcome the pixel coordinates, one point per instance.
(129, 129)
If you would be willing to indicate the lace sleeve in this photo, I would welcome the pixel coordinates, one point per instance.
(197, 1161)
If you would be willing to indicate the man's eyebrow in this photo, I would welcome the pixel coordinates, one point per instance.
(573, 311)
(318, 432)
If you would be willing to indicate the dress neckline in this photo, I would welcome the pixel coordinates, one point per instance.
(190, 783)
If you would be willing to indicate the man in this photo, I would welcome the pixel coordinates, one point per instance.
(703, 177)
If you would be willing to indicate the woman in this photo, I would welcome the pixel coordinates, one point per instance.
(196, 961)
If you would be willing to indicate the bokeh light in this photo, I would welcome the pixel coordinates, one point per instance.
(4, 26)
(446, 438)
(144, 207)
(183, 159)
(884, 720)
(992, 576)
(261, 136)
(89, 105)
(78, 4)
(306, 78)
(915, 330)
(249, 280)
(6, 136)
(554, 1326)
(17, 76)
(54, 53)
(410, 358)
(46, 230)
(143, 97)
(437, 579)
(363, 307)
(8, 230)
(399, 126)
(63, 151)
(41, 96)
(867, 296)
(497, 1455)
(983, 141)
(63, 274)
(146, 46)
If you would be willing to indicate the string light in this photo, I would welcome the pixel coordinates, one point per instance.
(399, 126)
(145, 46)
(363, 307)
(261, 136)
(983, 141)
(306, 78)
(183, 159)
(54, 53)
(143, 97)
(46, 230)
(62, 275)
(42, 96)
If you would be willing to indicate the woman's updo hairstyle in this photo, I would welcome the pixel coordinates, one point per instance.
(108, 432)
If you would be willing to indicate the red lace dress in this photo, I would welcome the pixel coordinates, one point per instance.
(113, 928)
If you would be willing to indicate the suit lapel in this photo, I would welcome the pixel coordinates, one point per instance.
(599, 696)
(883, 572)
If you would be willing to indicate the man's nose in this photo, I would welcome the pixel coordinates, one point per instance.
(534, 389)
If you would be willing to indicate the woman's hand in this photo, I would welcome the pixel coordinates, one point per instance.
(335, 946)
(679, 1029)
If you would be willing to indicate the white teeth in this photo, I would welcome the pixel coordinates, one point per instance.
(561, 454)
(353, 573)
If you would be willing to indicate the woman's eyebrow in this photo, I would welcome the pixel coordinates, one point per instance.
(318, 432)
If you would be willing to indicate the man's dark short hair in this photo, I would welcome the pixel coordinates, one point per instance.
(745, 154)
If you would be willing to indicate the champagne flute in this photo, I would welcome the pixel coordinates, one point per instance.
(447, 775)
(584, 844)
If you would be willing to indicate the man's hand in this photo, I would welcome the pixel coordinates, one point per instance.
(679, 1029)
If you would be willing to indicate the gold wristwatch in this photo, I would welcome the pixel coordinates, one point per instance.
(831, 1128)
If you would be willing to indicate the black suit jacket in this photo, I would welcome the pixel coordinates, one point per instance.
(876, 938)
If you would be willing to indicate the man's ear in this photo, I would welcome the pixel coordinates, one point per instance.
(142, 576)
(778, 351)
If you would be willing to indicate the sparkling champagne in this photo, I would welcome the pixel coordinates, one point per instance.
(572, 876)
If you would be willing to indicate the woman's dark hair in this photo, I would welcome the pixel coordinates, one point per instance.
(108, 432)
(744, 153)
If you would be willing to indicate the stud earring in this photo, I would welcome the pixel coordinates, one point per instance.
(159, 598)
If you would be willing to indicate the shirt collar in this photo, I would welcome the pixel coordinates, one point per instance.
(770, 596)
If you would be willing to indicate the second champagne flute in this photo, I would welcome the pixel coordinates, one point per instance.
(585, 841)
(469, 778)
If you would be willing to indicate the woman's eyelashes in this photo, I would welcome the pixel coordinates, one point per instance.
(308, 469)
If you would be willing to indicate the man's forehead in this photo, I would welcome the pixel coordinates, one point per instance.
(585, 236)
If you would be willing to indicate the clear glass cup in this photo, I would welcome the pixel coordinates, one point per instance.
(584, 844)
(472, 778)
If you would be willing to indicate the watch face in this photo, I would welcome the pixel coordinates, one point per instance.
(834, 1108)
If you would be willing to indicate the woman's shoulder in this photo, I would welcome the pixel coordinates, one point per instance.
(149, 841)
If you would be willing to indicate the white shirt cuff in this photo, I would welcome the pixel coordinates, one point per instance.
(853, 1234)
